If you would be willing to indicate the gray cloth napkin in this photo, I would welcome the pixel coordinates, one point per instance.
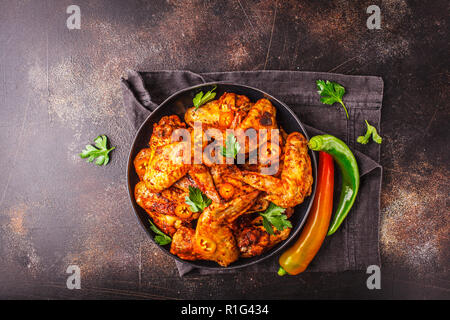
(355, 245)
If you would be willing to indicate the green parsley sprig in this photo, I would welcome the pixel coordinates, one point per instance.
(232, 147)
(273, 216)
(160, 238)
(371, 131)
(331, 92)
(197, 200)
(101, 152)
(201, 99)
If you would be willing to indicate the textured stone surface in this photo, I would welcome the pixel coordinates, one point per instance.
(59, 89)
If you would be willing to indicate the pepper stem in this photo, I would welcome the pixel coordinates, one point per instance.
(314, 143)
(281, 272)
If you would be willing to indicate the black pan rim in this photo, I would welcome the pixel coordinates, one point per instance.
(261, 257)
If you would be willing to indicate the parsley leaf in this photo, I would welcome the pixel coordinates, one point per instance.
(331, 92)
(371, 131)
(273, 216)
(101, 152)
(197, 200)
(232, 147)
(201, 99)
(160, 238)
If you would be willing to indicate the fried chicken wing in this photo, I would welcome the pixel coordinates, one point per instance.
(168, 164)
(253, 240)
(226, 112)
(230, 188)
(296, 177)
(260, 205)
(262, 115)
(222, 173)
(183, 243)
(204, 181)
(184, 183)
(200, 177)
(166, 161)
(214, 239)
(207, 114)
(141, 161)
(167, 209)
(172, 162)
(163, 130)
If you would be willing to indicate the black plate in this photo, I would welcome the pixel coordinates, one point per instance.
(177, 104)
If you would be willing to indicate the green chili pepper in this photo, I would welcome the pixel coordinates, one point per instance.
(348, 166)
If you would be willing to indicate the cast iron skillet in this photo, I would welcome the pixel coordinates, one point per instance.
(177, 104)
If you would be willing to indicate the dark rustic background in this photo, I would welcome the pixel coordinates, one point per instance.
(59, 89)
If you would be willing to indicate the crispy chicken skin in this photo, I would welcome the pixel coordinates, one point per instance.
(262, 115)
(208, 114)
(222, 174)
(260, 205)
(169, 161)
(141, 161)
(226, 112)
(183, 243)
(252, 239)
(296, 177)
(184, 183)
(167, 165)
(167, 209)
(163, 130)
(204, 181)
(214, 239)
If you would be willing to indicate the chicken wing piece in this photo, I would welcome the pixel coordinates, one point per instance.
(228, 187)
(233, 109)
(253, 240)
(214, 239)
(262, 115)
(183, 243)
(167, 209)
(207, 114)
(262, 118)
(296, 177)
(184, 183)
(204, 181)
(141, 161)
(168, 164)
(226, 112)
(163, 130)
(200, 177)
(260, 204)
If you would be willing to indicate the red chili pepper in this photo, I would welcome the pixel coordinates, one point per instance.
(297, 258)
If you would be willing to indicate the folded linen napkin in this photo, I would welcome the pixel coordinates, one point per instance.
(355, 245)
